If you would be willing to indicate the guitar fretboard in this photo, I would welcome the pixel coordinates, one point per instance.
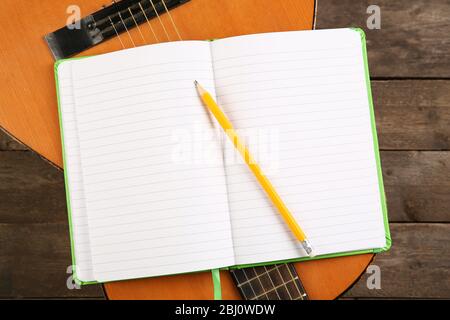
(276, 282)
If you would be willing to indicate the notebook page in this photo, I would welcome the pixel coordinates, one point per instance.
(154, 206)
(302, 97)
(75, 192)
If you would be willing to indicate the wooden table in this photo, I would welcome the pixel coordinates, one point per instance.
(38, 129)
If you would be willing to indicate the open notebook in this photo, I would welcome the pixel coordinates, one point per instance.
(145, 201)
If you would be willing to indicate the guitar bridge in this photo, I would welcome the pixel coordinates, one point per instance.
(105, 24)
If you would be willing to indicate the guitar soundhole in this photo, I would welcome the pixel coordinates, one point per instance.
(276, 282)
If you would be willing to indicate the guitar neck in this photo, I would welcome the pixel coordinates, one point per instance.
(276, 282)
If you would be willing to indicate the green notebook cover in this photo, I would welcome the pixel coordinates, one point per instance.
(215, 277)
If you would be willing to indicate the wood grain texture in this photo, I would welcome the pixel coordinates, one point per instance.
(417, 185)
(8, 143)
(417, 266)
(413, 40)
(34, 258)
(412, 114)
(31, 189)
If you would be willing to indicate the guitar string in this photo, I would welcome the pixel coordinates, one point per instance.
(273, 283)
(121, 19)
(234, 274)
(117, 33)
(281, 277)
(295, 282)
(249, 283)
(137, 25)
(295, 279)
(171, 19)
(262, 287)
(148, 23)
(160, 21)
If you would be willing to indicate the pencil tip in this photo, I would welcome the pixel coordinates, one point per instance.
(196, 83)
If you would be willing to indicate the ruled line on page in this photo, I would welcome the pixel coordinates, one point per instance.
(273, 61)
(99, 164)
(243, 128)
(302, 202)
(140, 67)
(178, 255)
(111, 243)
(177, 126)
(159, 247)
(232, 84)
(336, 154)
(145, 84)
(274, 71)
(273, 53)
(217, 176)
(316, 246)
(146, 267)
(166, 163)
(231, 183)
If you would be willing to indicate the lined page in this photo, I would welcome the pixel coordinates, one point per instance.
(307, 92)
(152, 209)
(74, 183)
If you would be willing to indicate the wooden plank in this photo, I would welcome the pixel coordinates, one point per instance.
(32, 190)
(34, 234)
(412, 114)
(34, 258)
(417, 266)
(417, 185)
(8, 143)
(412, 42)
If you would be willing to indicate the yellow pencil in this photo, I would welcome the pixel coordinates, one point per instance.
(254, 167)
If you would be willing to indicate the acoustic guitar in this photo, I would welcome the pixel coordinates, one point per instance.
(28, 110)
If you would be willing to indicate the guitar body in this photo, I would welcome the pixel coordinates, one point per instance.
(28, 109)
